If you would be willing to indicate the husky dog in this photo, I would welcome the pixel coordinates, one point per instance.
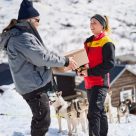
(80, 110)
(123, 110)
(73, 111)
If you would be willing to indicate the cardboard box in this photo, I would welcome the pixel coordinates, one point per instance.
(78, 55)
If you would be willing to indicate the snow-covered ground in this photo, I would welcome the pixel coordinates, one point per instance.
(16, 118)
(64, 26)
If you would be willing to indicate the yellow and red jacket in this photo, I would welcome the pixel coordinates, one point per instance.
(101, 55)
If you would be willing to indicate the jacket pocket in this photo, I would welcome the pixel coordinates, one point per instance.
(37, 77)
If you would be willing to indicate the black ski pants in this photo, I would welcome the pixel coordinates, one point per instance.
(98, 124)
(39, 104)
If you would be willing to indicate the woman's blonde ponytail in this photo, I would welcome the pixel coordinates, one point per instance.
(107, 28)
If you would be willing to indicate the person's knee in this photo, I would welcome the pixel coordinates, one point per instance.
(93, 114)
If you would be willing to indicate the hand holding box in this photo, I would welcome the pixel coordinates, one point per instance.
(78, 55)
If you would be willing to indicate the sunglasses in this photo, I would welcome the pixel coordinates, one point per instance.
(37, 20)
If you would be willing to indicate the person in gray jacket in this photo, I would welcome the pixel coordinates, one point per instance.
(30, 64)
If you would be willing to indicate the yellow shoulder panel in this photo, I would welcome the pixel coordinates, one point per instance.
(100, 42)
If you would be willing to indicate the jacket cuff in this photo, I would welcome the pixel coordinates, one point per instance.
(66, 62)
(89, 72)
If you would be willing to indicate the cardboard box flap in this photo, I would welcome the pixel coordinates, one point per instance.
(79, 56)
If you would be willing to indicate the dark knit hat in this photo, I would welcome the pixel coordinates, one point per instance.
(100, 19)
(27, 10)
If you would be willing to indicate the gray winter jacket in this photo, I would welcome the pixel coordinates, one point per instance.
(29, 60)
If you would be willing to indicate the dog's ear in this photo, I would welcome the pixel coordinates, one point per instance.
(128, 101)
(59, 93)
(119, 103)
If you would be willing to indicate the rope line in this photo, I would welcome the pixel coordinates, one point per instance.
(13, 115)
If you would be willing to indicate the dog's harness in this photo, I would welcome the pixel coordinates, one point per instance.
(125, 110)
(76, 108)
(58, 109)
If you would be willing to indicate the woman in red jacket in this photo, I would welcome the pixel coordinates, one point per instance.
(101, 53)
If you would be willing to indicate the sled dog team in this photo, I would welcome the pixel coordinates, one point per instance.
(75, 111)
